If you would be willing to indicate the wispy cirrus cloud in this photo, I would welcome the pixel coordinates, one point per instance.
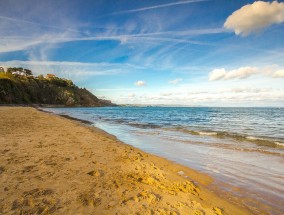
(66, 63)
(72, 69)
(14, 20)
(157, 6)
(19, 43)
(142, 40)
(37, 39)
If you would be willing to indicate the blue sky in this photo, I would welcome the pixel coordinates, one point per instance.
(190, 52)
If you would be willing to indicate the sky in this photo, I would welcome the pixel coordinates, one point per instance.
(152, 52)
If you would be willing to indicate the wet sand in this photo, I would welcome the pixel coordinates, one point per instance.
(50, 164)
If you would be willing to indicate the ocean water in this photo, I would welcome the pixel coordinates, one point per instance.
(241, 148)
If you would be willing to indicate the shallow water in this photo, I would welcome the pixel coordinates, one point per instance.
(242, 147)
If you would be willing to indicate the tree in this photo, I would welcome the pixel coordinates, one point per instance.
(14, 69)
(28, 72)
(40, 77)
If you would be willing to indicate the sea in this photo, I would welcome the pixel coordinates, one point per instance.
(242, 149)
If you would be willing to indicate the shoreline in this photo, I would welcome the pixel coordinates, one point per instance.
(66, 116)
(219, 187)
(129, 177)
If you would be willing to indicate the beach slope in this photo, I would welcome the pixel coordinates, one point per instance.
(50, 164)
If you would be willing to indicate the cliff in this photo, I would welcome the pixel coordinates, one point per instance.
(54, 91)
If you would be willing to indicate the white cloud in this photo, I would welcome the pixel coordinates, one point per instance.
(131, 95)
(217, 74)
(254, 17)
(278, 74)
(245, 72)
(241, 73)
(175, 81)
(140, 83)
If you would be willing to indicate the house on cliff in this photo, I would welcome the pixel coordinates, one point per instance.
(50, 76)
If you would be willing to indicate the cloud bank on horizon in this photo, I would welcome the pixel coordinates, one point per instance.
(153, 52)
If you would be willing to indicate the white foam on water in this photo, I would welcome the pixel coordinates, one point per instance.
(252, 138)
(207, 133)
(278, 143)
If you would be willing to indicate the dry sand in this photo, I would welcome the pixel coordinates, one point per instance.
(50, 164)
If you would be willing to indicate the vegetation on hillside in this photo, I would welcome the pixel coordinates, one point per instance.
(19, 86)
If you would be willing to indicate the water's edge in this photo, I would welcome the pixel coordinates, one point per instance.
(222, 161)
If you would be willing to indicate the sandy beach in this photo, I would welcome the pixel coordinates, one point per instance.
(50, 164)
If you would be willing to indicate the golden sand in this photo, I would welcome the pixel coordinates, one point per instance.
(50, 164)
